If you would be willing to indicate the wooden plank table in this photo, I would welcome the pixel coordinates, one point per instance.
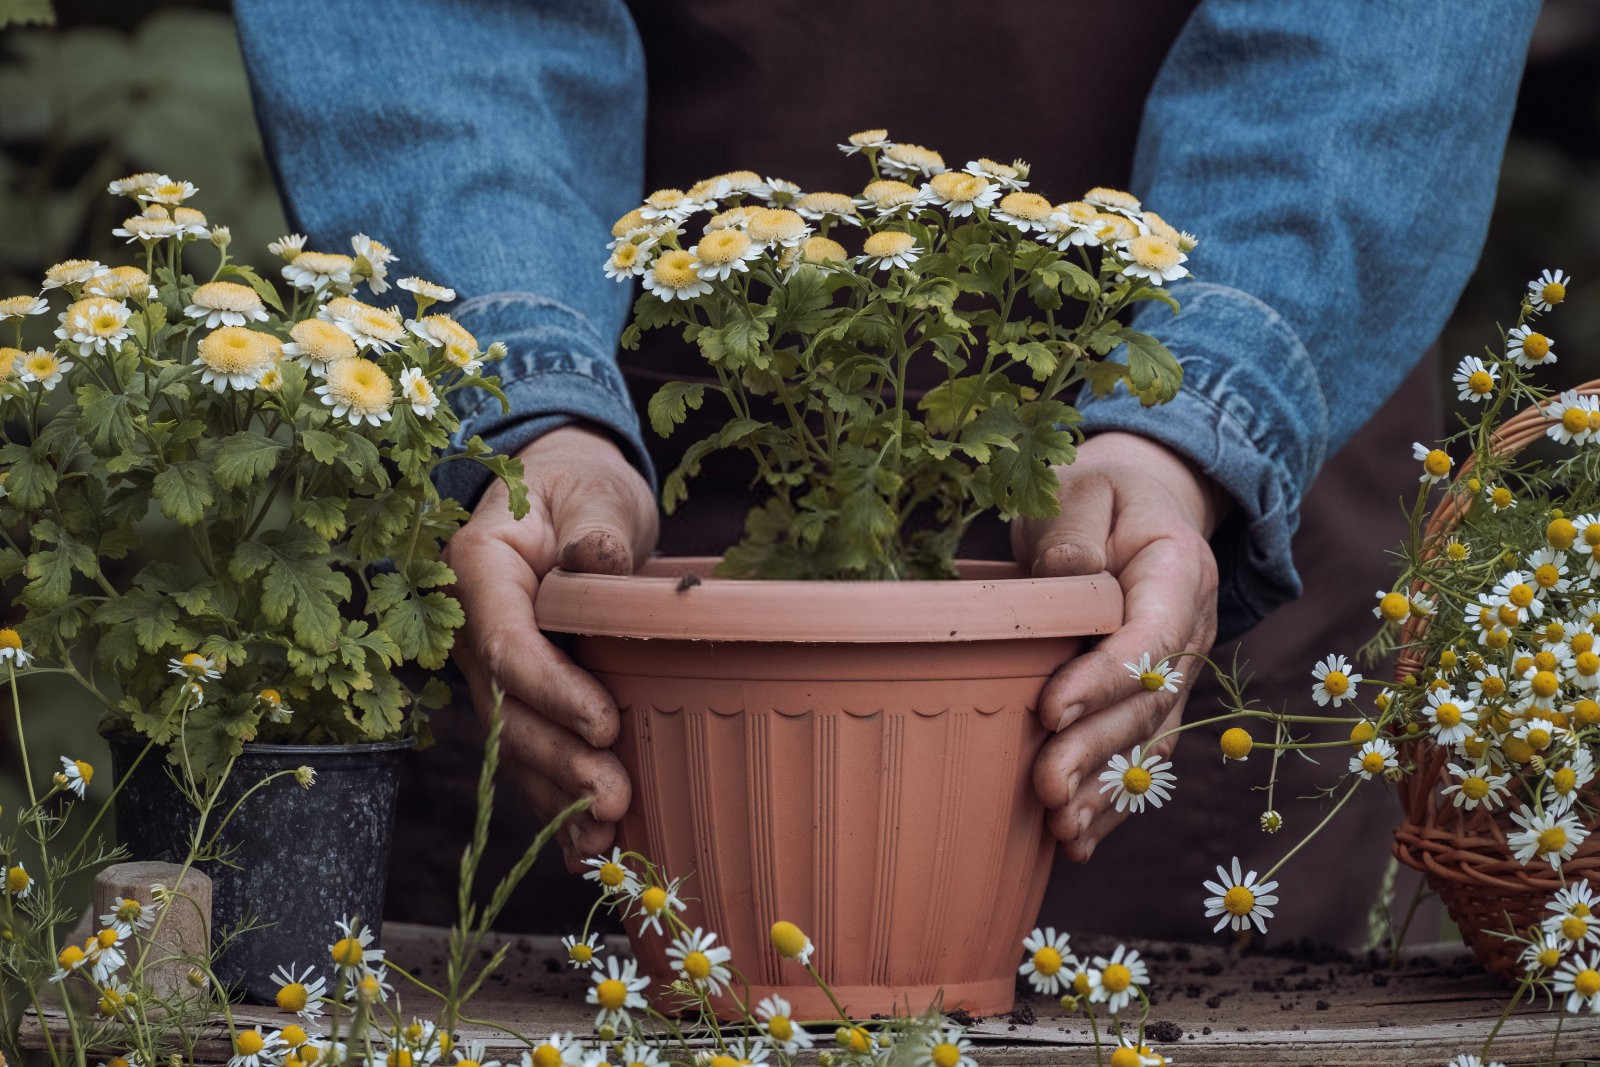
(1212, 1005)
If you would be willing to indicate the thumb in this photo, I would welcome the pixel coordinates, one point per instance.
(596, 533)
(1074, 541)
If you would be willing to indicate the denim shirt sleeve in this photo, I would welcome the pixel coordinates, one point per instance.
(491, 146)
(1338, 161)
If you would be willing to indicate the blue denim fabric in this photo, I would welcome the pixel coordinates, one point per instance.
(496, 167)
(1338, 160)
(1339, 163)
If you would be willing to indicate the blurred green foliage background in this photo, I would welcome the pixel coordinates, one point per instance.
(113, 89)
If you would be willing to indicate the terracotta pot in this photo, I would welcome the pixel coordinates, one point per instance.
(854, 757)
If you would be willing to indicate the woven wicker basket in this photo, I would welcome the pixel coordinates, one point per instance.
(1463, 854)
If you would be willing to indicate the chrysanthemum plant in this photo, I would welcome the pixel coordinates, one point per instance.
(1014, 298)
(286, 436)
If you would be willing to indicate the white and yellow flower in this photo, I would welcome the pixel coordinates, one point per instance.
(367, 325)
(1548, 289)
(71, 273)
(127, 914)
(419, 392)
(1137, 779)
(288, 246)
(910, 161)
(699, 961)
(1448, 721)
(774, 227)
(372, 259)
(1475, 380)
(1376, 757)
(1570, 415)
(627, 261)
(1519, 594)
(1436, 462)
(148, 228)
(301, 994)
(252, 1048)
(360, 390)
(43, 368)
(948, 1046)
(616, 990)
(655, 902)
(167, 191)
(134, 184)
(232, 357)
(776, 1016)
(1573, 923)
(820, 207)
(19, 307)
(1155, 259)
(1527, 347)
(1240, 898)
(612, 874)
(1579, 979)
(1545, 835)
(95, 324)
(1563, 783)
(1117, 980)
(582, 953)
(675, 275)
(317, 344)
(1480, 785)
(1049, 959)
(1335, 681)
(1026, 211)
(122, 283)
(426, 290)
(1158, 678)
(721, 253)
(352, 952)
(791, 942)
(890, 248)
(225, 304)
(313, 272)
(459, 345)
(889, 195)
(1117, 200)
(865, 139)
(1013, 175)
(74, 775)
(1070, 224)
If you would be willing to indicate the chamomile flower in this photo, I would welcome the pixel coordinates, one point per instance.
(1541, 955)
(669, 205)
(654, 902)
(459, 345)
(233, 357)
(134, 184)
(1475, 380)
(616, 990)
(1519, 590)
(1548, 289)
(639, 1054)
(557, 1050)
(252, 1048)
(699, 961)
(20, 307)
(314, 272)
(426, 290)
(71, 273)
(1071, 224)
(367, 325)
(1527, 347)
(1579, 979)
(1449, 722)
(316, 344)
(18, 882)
(821, 207)
(1123, 203)
(1154, 679)
(1240, 899)
(947, 1047)
(122, 283)
(776, 1016)
(1134, 780)
(612, 875)
(148, 228)
(1488, 684)
(772, 227)
(890, 248)
(95, 324)
(287, 247)
(961, 193)
(1335, 681)
(721, 253)
(626, 262)
(1013, 175)
(676, 276)
(1116, 980)
(126, 913)
(193, 665)
(1155, 259)
(74, 775)
(1547, 836)
(353, 953)
(1392, 606)
(1500, 498)
(108, 955)
(189, 222)
(819, 250)
(43, 368)
(1436, 462)
(1548, 569)
(166, 191)
(864, 139)
(225, 304)
(1572, 927)
(1048, 959)
(779, 192)
(582, 954)
(888, 195)
(360, 390)
(910, 160)
(1026, 211)
(372, 259)
(791, 942)
(1480, 785)
(276, 708)
(419, 392)
(472, 1055)
(301, 994)
(1376, 757)
(1562, 784)
(1570, 423)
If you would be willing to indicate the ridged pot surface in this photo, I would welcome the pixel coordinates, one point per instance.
(879, 795)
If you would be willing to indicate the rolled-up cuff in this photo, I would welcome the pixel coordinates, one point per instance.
(1251, 416)
(558, 370)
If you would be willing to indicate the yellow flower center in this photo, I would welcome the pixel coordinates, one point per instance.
(1152, 680)
(294, 1035)
(1447, 715)
(1236, 742)
(547, 1056)
(361, 385)
(887, 193)
(347, 952)
(675, 269)
(1475, 787)
(1545, 683)
(399, 1057)
(249, 1042)
(1587, 982)
(653, 899)
(1493, 685)
(1080, 984)
(625, 256)
(1480, 382)
(831, 203)
(780, 1027)
(722, 247)
(1030, 207)
(369, 988)
(612, 875)
(1510, 614)
(1136, 780)
(1564, 780)
(580, 953)
(17, 879)
(1574, 420)
(226, 296)
(1561, 533)
(611, 994)
(1587, 663)
(1047, 960)
(1521, 595)
(958, 186)
(69, 957)
(776, 224)
(664, 199)
(819, 249)
(633, 220)
(292, 997)
(1372, 762)
(697, 966)
(944, 1054)
(1116, 977)
(9, 638)
(1553, 292)
(1553, 839)
(788, 939)
(107, 937)
(1497, 638)
(234, 350)
(1336, 683)
(1394, 607)
(322, 341)
(887, 243)
(1501, 497)
(1538, 738)
(1574, 928)
(1437, 463)
(1362, 732)
(1239, 900)
(1536, 346)
(1549, 957)
(1124, 1056)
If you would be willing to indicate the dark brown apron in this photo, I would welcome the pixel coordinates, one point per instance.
(772, 87)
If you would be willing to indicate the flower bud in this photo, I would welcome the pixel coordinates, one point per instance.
(221, 236)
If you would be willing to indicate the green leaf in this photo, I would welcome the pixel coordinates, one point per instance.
(423, 627)
(735, 344)
(946, 401)
(245, 458)
(106, 418)
(1039, 357)
(262, 287)
(324, 447)
(184, 491)
(1151, 292)
(1154, 375)
(1020, 480)
(298, 580)
(325, 515)
(32, 480)
(670, 405)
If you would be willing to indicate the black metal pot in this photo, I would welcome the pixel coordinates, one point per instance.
(302, 858)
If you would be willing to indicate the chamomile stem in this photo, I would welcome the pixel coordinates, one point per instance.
(817, 978)
(1314, 831)
(1498, 1023)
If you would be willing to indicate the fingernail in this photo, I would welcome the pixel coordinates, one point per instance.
(1072, 783)
(1083, 820)
(1068, 715)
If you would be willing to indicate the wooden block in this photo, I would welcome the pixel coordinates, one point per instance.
(184, 930)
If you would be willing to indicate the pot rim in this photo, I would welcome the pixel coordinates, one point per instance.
(265, 748)
(993, 601)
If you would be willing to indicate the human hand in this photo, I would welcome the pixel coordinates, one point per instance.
(1135, 508)
(591, 511)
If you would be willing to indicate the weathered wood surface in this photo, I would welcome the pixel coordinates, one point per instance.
(1212, 1006)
